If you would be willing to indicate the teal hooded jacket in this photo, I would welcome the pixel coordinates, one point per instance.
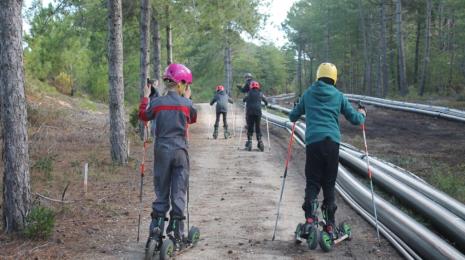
(322, 104)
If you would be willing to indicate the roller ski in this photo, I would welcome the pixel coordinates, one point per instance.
(156, 243)
(226, 133)
(260, 145)
(174, 244)
(215, 133)
(248, 144)
(328, 236)
(309, 230)
(331, 236)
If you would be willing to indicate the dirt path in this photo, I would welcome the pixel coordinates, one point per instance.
(233, 199)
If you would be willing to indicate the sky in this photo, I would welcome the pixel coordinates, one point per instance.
(271, 32)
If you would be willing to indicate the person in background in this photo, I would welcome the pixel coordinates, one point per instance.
(221, 99)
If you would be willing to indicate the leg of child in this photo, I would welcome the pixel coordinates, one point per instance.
(329, 180)
(258, 131)
(161, 181)
(314, 170)
(179, 183)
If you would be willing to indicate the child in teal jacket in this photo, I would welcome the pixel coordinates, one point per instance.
(322, 104)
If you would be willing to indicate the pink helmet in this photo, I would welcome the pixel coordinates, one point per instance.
(178, 73)
(254, 84)
(219, 88)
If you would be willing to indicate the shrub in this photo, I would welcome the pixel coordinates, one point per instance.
(39, 223)
(45, 166)
(64, 83)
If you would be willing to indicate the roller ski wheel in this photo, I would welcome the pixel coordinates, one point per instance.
(167, 249)
(151, 249)
(326, 242)
(193, 236)
(261, 146)
(345, 229)
(297, 234)
(312, 239)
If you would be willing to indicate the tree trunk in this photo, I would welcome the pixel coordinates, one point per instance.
(156, 41)
(327, 44)
(115, 74)
(144, 53)
(417, 50)
(144, 44)
(400, 51)
(383, 48)
(366, 48)
(227, 68)
(169, 40)
(299, 68)
(424, 70)
(16, 182)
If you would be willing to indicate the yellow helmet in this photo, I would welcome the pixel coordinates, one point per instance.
(327, 70)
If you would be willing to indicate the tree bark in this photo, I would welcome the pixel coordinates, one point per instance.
(16, 181)
(299, 68)
(427, 50)
(383, 48)
(144, 44)
(115, 74)
(400, 50)
(366, 47)
(156, 41)
(417, 50)
(228, 68)
(144, 53)
(327, 44)
(169, 40)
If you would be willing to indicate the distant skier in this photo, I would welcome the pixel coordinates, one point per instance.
(253, 102)
(172, 114)
(321, 104)
(221, 99)
(246, 87)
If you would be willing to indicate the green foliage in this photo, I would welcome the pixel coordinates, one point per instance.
(45, 166)
(450, 180)
(40, 223)
(331, 30)
(134, 117)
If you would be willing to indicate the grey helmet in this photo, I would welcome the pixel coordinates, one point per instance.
(248, 75)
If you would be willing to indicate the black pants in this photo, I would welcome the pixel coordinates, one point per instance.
(217, 121)
(253, 121)
(321, 172)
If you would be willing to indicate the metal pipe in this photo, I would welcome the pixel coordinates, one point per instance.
(427, 244)
(398, 244)
(447, 222)
(418, 184)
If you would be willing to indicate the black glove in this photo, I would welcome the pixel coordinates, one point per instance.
(362, 107)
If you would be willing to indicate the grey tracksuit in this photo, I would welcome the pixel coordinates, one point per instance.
(221, 99)
(172, 114)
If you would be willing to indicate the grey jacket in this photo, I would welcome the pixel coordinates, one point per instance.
(221, 99)
(172, 113)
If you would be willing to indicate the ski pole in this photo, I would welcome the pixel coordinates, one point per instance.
(142, 170)
(360, 106)
(188, 187)
(289, 149)
(268, 129)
